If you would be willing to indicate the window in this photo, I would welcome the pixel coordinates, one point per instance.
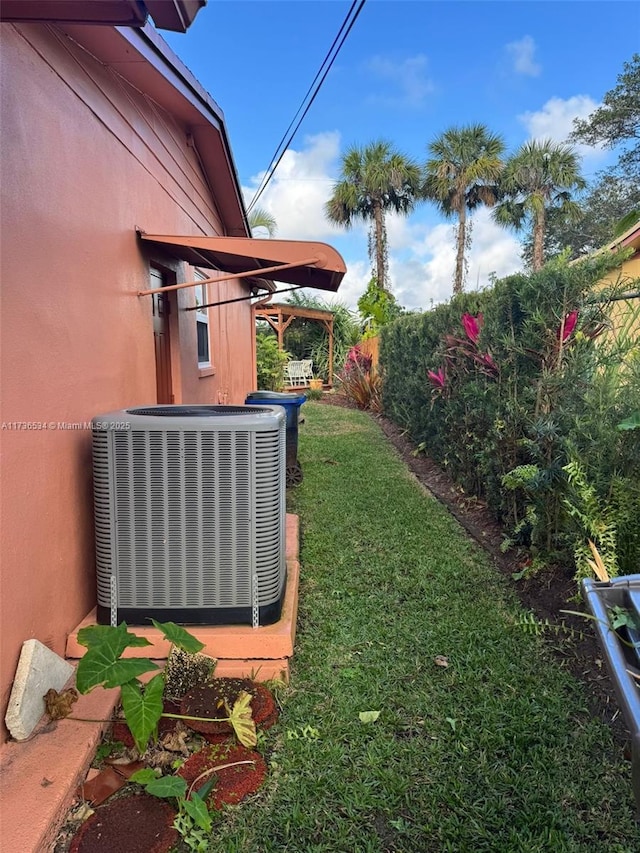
(202, 323)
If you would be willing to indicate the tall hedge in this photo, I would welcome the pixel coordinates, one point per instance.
(525, 415)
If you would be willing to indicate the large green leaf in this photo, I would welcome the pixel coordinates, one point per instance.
(94, 635)
(179, 636)
(197, 810)
(242, 721)
(102, 665)
(144, 776)
(167, 786)
(142, 711)
(204, 790)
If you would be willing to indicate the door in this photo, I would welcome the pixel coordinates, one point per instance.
(162, 340)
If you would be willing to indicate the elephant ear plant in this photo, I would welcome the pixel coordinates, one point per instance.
(104, 666)
(193, 821)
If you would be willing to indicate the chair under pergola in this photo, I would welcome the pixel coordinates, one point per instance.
(280, 317)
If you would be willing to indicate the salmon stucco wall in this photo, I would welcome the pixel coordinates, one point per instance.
(86, 159)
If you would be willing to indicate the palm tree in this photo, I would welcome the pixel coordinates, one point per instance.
(261, 218)
(374, 180)
(461, 175)
(538, 178)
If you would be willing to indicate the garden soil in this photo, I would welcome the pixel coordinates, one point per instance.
(545, 594)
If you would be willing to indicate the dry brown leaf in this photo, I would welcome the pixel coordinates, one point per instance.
(82, 812)
(59, 705)
(127, 755)
(176, 742)
(597, 565)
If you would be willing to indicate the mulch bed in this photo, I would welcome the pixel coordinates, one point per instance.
(544, 594)
(233, 784)
(109, 828)
(128, 825)
(208, 700)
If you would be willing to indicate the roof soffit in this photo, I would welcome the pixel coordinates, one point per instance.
(176, 15)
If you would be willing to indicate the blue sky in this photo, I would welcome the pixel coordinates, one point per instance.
(408, 70)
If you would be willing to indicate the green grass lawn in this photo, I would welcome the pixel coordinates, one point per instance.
(494, 752)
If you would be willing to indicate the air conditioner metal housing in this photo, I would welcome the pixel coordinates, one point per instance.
(190, 514)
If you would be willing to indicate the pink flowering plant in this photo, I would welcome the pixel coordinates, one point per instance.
(357, 358)
(567, 326)
(472, 326)
(359, 380)
(462, 355)
(438, 378)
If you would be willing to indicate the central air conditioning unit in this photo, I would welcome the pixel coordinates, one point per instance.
(190, 514)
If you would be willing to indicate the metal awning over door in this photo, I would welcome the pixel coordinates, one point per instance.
(299, 262)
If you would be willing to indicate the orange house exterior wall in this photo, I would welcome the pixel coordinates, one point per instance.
(86, 159)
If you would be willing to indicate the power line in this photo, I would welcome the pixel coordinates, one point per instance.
(310, 89)
(282, 144)
(285, 141)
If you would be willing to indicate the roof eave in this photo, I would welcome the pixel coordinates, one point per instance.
(303, 263)
(175, 15)
(631, 237)
(143, 58)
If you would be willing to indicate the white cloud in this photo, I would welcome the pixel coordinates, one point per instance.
(295, 197)
(426, 275)
(402, 231)
(555, 120)
(493, 250)
(301, 185)
(353, 285)
(408, 82)
(422, 262)
(522, 53)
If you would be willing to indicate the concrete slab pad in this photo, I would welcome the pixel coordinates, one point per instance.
(39, 669)
(251, 648)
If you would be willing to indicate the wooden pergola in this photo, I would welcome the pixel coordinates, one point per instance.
(280, 317)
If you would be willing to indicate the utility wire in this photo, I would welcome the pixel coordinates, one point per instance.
(269, 172)
(310, 89)
(285, 141)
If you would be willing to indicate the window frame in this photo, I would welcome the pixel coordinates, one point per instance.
(203, 319)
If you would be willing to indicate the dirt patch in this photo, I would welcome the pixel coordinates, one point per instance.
(545, 594)
(128, 825)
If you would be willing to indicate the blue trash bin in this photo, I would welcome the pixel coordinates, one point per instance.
(291, 404)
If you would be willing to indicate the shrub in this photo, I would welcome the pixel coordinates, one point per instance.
(270, 362)
(517, 391)
(313, 393)
(362, 387)
(360, 382)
